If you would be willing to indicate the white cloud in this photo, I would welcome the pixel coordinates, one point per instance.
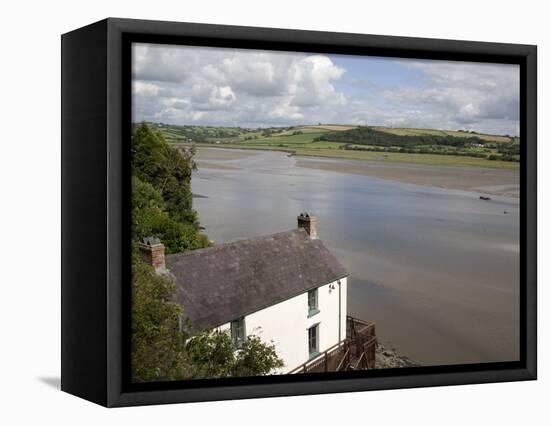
(312, 82)
(474, 96)
(229, 86)
(145, 89)
(182, 84)
(221, 96)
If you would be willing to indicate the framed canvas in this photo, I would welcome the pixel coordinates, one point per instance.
(256, 212)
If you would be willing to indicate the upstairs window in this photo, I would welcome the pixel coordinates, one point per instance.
(313, 302)
(238, 332)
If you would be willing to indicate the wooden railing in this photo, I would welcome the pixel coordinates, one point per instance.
(328, 360)
(363, 335)
(345, 361)
(356, 351)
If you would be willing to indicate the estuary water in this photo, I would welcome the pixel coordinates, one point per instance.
(436, 269)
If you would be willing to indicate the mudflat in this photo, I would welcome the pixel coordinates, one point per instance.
(502, 182)
(221, 154)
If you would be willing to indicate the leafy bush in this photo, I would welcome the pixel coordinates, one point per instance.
(161, 193)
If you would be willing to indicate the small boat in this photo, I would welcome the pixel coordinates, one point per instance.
(482, 197)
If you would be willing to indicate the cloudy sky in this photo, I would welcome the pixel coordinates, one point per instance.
(253, 88)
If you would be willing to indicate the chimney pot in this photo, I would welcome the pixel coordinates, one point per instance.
(309, 223)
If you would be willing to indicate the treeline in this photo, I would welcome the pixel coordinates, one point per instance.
(379, 141)
(368, 136)
(502, 156)
(350, 147)
(270, 131)
(162, 202)
(199, 134)
(474, 154)
(508, 149)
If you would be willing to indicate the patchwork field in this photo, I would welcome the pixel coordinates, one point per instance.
(391, 145)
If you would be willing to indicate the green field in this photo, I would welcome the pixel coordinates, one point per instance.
(471, 150)
(407, 132)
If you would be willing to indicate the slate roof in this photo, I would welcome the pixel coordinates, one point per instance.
(218, 284)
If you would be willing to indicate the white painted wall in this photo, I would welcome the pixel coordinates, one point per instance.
(286, 324)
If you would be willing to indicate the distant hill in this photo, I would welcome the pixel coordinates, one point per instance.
(377, 143)
(435, 132)
(427, 141)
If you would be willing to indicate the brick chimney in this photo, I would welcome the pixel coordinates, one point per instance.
(309, 223)
(152, 253)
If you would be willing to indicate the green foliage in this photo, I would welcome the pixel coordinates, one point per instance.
(161, 351)
(256, 358)
(149, 152)
(212, 353)
(198, 134)
(162, 208)
(369, 139)
(156, 342)
(368, 135)
(161, 193)
(149, 218)
(167, 169)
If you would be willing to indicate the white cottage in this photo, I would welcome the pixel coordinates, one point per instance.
(286, 287)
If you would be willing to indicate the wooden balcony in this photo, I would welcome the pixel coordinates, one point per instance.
(356, 352)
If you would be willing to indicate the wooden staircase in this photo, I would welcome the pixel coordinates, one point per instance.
(356, 352)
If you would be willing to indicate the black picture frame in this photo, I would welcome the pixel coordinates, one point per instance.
(96, 126)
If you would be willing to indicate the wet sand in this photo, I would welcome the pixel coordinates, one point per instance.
(217, 166)
(488, 181)
(221, 154)
(502, 182)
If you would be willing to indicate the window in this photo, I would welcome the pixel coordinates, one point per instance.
(313, 340)
(238, 332)
(181, 323)
(312, 302)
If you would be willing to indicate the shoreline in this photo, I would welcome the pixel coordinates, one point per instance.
(390, 358)
(377, 158)
(497, 182)
(485, 181)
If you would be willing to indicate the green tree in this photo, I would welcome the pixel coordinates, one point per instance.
(150, 219)
(156, 341)
(167, 169)
(162, 350)
(162, 201)
(149, 151)
(255, 358)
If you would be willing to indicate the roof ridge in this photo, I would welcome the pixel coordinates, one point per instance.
(239, 241)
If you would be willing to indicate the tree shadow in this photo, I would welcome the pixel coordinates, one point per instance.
(54, 382)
